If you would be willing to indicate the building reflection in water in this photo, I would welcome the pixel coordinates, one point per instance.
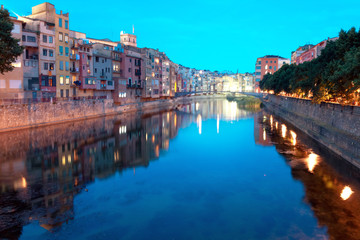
(331, 184)
(42, 169)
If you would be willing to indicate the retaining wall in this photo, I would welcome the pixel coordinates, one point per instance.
(336, 127)
(19, 116)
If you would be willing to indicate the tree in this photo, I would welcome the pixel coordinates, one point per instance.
(9, 46)
(334, 75)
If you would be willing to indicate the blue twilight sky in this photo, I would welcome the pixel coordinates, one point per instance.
(210, 34)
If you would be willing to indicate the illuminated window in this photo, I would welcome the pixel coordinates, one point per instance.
(60, 37)
(67, 80)
(61, 80)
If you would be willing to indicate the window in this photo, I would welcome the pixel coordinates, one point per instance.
(31, 39)
(51, 53)
(50, 39)
(24, 38)
(274, 68)
(66, 38)
(52, 67)
(95, 70)
(46, 66)
(129, 69)
(62, 92)
(60, 37)
(61, 80)
(96, 59)
(67, 81)
(61, 48)
(110, 83)
(60, 22)
(274, 61)
(61, 65)
(66, 24)
(266, 61)
(66, 51)
(44, 38)
(258, 73)
(270, 61)
(67, 66)
(258, 67)
(130, 59)
(67, 92)
(44, 52)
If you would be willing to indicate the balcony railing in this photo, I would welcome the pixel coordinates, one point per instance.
(74, 70)
(133, 86)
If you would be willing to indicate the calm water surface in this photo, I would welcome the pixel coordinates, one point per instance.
(209, 170)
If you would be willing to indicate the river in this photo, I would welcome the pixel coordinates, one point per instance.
(208, 170)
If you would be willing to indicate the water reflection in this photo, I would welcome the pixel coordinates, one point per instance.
(331, 184)
(42, 170)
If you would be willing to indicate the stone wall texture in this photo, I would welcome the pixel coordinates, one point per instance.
(19, 116)
(334, 126)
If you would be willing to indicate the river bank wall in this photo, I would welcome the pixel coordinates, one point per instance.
(21, 116)
(334, 126)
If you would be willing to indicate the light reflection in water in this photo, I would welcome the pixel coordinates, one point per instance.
(293, 137)
(24, 182)
(312, 161)
(346, 193)
(264, 134)
(283, 130)
(199, 123)
(218, 123)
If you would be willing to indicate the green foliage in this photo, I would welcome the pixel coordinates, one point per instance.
(9, 46)
(335, 74)
(245, 100)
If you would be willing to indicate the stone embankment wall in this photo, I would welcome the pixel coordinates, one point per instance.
(18, 116)
(336, 127)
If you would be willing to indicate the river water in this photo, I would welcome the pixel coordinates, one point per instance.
(209, 170)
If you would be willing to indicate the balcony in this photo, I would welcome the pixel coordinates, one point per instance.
(74, 70)
(74, 57)
(76, 83)
(134, 86)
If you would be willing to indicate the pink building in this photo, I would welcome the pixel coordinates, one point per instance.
(132, 71)
(313, 52)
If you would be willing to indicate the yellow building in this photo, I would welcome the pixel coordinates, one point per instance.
(46, 12)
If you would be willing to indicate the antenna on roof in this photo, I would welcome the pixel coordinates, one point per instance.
(133, 29)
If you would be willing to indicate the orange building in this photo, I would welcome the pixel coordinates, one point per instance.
(267, 64)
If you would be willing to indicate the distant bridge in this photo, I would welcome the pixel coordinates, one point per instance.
(180, 94)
